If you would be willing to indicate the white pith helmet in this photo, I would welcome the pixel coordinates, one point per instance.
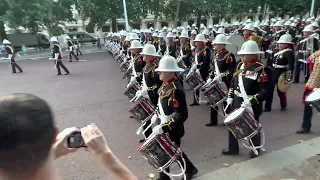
(285, 39)
(168, 64)
(200, 38)
(150, 50)
(250, 47)
(248, 27)
(170, 35)
(194, 32)
(221, 31)
(205, 32)
(308, 28)
(52, 39)
(184, 34)
(134, 36)
(135, 44)
(6, 42)
(220, 39)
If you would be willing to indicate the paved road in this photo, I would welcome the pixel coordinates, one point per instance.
(94, 93)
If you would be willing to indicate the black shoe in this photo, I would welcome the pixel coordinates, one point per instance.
(67, 73)
(194, 104)
(228, 152)
(283, 109)
(267, 110)
(141, 140)
(131, 116)
(191, 174)
(295, 82)
(14, 73)
(253, 155)
(58, 74)
(303, 131)
(211, 124)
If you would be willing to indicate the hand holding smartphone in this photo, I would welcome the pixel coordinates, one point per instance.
(75, 140)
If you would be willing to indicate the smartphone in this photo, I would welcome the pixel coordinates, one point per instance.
(75, 140)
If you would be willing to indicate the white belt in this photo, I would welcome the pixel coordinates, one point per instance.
(238, 94)
(279, 66)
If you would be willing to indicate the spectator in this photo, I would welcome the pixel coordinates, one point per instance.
(28, 148)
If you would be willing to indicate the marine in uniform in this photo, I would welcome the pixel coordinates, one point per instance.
(150, 81)
(155, 41)
(56, 55)
(224, 64)
(71, 48)
(138, 63)
(172, 100)
(162, 47)
(171, 48)
(255, 79)
(248, 33)
(304, 50)
(202, 61)
(206, 35)
(11, 55)
(312, 85)
(185, 51)
(282, 62)
(77, 46)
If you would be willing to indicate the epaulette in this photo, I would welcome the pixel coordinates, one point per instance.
(150, 68)
(228, 57)
(263, 76)
(238, 70)
(261, 67)
(167, 91)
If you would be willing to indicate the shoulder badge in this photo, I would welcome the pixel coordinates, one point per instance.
(204, 53)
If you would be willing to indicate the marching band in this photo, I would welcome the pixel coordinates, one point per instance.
(235, 87)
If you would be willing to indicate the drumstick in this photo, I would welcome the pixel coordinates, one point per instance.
(143, 132)
(225, 109)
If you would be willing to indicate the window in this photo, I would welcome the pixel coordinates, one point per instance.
(150, 24)
(136, 26)
(204, 21)
(105, 28)
(179, 23)
(73, 29)
(81, 36)
(90, 29)
(163, 24)
(121, 27)
(190, 22)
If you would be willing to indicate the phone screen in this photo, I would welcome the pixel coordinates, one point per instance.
(75, 140)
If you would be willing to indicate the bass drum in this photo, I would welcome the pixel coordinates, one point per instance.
(236, 41)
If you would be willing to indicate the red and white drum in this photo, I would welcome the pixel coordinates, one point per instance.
(216, 93)
(161, 153)
(132, 89)
(244, 127)
(194, 81)
(242, 124)
(142, 109)
(314, 100)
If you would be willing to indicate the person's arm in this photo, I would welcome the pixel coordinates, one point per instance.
(97, 144)
(120, 171)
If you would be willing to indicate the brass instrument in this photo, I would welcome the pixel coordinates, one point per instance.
(314, 79)
(256, 38)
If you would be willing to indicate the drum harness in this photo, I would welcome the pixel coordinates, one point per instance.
(245, 97)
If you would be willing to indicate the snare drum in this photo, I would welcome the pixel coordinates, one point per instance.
(142, 109)
(314, 100)
(124, 66)
(216, 93)
(160, 151)
(242, 124)
(132, 89)
(194, 81)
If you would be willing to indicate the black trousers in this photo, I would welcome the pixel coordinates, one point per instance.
(72, 54)
(233, 142)
(14, 65)
(189, 164)
(214, 114)
(298, 69)
(60, 64)
(307, 114)
(78, 51)
(276, 72)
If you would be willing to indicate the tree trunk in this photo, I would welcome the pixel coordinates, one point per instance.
(176, 16)
(316, 8)
(3, 34)
(198, 20)
(114, 25)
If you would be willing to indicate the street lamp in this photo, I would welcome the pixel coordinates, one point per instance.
(125, 15)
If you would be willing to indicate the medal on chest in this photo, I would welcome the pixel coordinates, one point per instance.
(251, 75)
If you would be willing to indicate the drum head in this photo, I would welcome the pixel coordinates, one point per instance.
(147, 142)
(233, 115)
(236, 41)
(313, 96)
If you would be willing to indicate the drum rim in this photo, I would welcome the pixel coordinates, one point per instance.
(313, 92)
(231, 113)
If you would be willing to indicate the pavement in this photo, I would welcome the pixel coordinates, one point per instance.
(94, 93)
(298, 162)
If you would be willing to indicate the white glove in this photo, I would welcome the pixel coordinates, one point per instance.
(217, 78)
(209, 80)
(125, 60)
(229, 101)
(132, 80)
(193, 68)
(157, 129)
(192, 48)
(164, 119)
(154, 118)
(246, 104)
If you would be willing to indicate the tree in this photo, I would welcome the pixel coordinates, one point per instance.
(33, 14)
(2, 13)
